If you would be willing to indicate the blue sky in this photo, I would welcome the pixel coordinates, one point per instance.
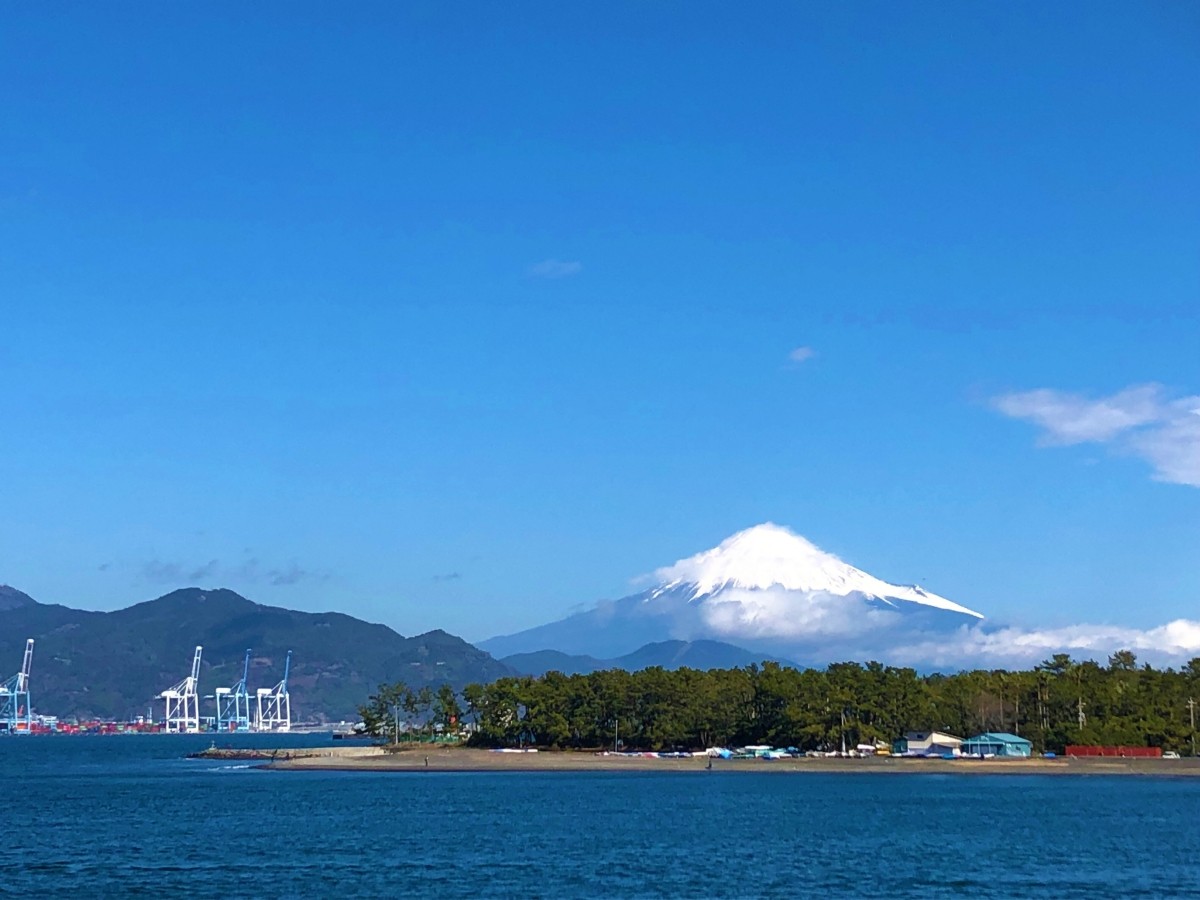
(460, 318)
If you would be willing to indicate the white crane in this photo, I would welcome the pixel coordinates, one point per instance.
(182, 713)
(15, 716)
(275, 714)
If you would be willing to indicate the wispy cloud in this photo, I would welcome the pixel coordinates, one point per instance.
(801, 355)
(1074, 419)
(248, 571)
(449, 576)
(555, 268)
(1142, 420)
(294, 574)
(160, 572)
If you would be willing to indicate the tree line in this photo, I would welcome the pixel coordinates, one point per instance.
(1061, 701)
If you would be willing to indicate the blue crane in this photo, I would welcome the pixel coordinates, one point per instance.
(233, 704)
(275, 704)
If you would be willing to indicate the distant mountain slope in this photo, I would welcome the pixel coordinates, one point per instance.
(667, 654)
(539, 662)
(693, 655)
(115, 664)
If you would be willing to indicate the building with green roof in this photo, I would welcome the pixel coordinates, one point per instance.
(997, 743)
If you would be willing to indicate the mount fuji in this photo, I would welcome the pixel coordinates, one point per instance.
(765, 589)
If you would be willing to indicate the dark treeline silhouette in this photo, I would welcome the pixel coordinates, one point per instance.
(1060, 702)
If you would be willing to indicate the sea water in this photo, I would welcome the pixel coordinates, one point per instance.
(113, 816)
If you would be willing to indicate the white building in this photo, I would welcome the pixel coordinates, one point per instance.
(928, 743)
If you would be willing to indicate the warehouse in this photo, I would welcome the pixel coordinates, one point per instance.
(997, 743)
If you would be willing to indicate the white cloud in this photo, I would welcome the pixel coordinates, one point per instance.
(802, 354)
(1073, 419)
(1140, 420)
(980, 647)
(807, 625)
(783, 619)
(780, 614)
(555, 268)
(1173, 448)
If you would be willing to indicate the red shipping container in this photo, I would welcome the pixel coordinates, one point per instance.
(1128, 752)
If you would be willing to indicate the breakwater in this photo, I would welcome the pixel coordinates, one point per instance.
(272, 755)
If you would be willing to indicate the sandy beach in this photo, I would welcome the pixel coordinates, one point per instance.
(447, 759)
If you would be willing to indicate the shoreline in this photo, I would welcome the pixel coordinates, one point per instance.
(442, 759)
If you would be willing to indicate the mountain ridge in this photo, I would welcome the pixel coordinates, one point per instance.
(11, 598)
(114, 664)
(664, 654)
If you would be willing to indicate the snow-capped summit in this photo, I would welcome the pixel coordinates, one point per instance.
(764, 588)
(770, 556)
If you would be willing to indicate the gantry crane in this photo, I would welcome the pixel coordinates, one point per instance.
(274, 704)
(182, 713)
(16, 710)
(233, 704)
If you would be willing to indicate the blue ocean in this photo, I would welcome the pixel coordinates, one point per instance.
(116, 816)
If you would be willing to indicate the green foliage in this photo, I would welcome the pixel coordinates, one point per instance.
(386, 709)
(446, 711)
(397, 713)
(1059, 702)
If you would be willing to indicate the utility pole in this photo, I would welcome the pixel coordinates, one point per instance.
(1082, 716)
(616, 729)
(1192, 714)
